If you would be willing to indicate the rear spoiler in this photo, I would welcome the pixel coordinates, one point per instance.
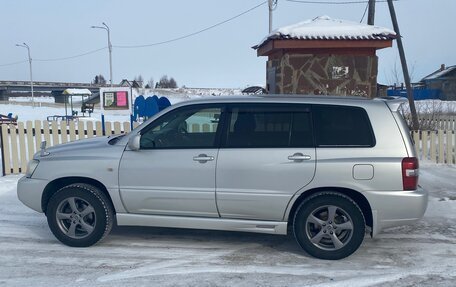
(392, 102)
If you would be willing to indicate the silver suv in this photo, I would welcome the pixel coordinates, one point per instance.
(327, 169)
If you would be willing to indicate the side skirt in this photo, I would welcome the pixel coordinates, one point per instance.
(270, 227)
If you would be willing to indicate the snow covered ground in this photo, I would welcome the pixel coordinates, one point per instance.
(45, 106)
(420, 255)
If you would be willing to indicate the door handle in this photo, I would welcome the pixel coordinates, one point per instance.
(299, 157)
(203, 158)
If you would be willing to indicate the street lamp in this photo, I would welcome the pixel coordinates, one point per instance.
(30, 63)
(105, 27)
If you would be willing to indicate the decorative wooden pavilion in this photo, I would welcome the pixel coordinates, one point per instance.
(324, 56)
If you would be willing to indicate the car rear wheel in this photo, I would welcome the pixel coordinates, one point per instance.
(329, 225)
(80, 215)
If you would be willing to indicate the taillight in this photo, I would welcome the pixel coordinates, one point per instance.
(410, 171)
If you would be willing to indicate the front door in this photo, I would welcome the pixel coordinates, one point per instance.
(173, 173)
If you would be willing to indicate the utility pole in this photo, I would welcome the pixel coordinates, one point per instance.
(30, 65)
(408, 86)
(371, 15)
(272, 6)
(105, 27)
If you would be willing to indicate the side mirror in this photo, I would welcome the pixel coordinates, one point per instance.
(134, 142)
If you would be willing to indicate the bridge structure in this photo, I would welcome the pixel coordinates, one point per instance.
(19, 88)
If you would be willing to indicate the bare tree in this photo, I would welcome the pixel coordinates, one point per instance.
(150, 83)
(99, 80)
(166, 83)
(139, 80)
(395, 78)
(172, 83)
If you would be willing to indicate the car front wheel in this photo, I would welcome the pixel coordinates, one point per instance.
(79, 215)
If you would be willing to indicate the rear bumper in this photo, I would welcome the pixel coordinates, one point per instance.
(395, 208)
(30, 191)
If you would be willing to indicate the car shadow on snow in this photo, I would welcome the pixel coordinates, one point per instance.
(197, 237)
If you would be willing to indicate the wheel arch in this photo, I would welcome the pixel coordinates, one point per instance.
(53, 186)
(356, 196)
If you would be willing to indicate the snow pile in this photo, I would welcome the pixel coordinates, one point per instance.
(37, 100)
(325, 28)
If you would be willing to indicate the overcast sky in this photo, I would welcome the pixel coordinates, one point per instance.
(220, 57)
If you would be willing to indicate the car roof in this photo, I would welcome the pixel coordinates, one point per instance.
(278, 98)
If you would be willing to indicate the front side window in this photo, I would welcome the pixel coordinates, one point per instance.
(342, 126)
(269, 126)
(183, 128)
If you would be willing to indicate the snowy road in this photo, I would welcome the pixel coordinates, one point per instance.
(419, 255)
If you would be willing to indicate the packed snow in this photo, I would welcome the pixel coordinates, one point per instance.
(422, 254)
(326, 28)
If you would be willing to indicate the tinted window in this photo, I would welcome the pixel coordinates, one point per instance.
(342, 126)
(269, 126)
(183, 128)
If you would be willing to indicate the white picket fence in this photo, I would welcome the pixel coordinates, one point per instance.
(436, 146)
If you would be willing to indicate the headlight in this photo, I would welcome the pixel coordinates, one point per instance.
(31, 166)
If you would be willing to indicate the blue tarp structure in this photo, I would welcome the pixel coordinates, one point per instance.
(418, 94)
(151, 107)
(139, 107)
(148, 106)
(163, 103)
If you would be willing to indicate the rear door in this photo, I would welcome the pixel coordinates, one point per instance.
(267, 155)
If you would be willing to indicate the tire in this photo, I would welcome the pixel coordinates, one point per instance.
(329, 225)
(80, 215)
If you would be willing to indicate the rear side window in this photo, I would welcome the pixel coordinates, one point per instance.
(264, 126)
(342, 126)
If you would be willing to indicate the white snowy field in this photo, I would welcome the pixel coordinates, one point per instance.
(423, 254)
(45, 106)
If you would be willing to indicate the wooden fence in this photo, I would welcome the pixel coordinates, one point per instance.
(20, 142)
(436, 146)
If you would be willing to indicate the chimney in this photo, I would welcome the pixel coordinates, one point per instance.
(442, 67)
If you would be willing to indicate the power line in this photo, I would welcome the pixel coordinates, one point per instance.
(191, 34)
(335, 2)
(13, 63)
(70, 57)
(140, 46)
(364, 14)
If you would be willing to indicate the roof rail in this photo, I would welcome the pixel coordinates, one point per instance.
(392, 102)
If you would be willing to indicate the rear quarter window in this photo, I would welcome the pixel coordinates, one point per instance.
(342, 126)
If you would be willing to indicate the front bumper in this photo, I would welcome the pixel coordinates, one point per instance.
(395, 208)
(30, 191)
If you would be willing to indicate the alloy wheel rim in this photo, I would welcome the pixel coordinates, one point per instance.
(329, 227)
(76, 217)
